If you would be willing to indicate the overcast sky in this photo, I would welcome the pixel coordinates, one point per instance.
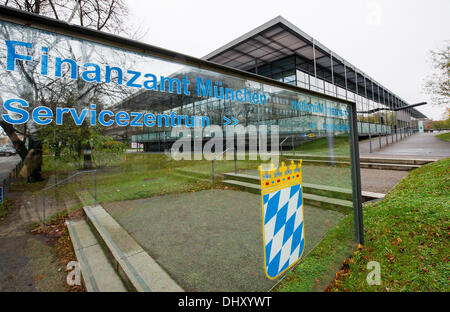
(389, 40)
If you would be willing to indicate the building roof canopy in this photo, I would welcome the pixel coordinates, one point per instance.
(278, 38)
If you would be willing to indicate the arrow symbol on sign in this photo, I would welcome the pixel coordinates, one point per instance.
(228, 120)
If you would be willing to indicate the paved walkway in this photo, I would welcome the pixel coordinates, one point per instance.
(7, 164)
(420, 145)
(27, 262)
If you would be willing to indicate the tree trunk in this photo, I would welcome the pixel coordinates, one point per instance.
(35, 160)
(32, 156)
(18, 144)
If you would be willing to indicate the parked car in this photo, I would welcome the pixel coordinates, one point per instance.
(7, 150)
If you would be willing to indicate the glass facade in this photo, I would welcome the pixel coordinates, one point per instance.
(204, 231)
(374, 104)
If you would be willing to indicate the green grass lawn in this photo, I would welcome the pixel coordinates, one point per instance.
(145, 175)
(136, 176)
(315, 272)
(319, 146)
(407, 233)
(444, 136)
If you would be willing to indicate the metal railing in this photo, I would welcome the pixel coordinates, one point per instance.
(212, 164)
(64, 181)
(399, 133)
(6, 183)
(281, 145)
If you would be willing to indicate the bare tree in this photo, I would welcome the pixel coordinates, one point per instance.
(104, 15)
(438, 85)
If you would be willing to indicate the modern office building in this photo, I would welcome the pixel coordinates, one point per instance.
(281, 51)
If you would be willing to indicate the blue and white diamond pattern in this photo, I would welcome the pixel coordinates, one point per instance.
(283, 229)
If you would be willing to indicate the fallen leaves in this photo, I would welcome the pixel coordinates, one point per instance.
(57, 236)
(390, 258)
(38, 277)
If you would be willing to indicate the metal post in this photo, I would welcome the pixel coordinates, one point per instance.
(235, 157)
(332, 74)
(281, 151)
(387, 119)
(356, 179)
(314, 57)
(396, 127)
(368, 108)
(345, 78)
(386, 135)
(379, 139)
(356, 98)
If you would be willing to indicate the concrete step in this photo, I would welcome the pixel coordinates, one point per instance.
(317, 189)
(338, 163)
(322, 190)
(370, 165)
(245, 186)
(328, 191)
(310, 199)
(363, 159)
(385, 166)
(371, 195)
(242, 177)
(400, 161)
(340, 205)
(313, 157)
(97, 272)
(136, 268)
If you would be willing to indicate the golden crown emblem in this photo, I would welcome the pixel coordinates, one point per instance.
(282, 177)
